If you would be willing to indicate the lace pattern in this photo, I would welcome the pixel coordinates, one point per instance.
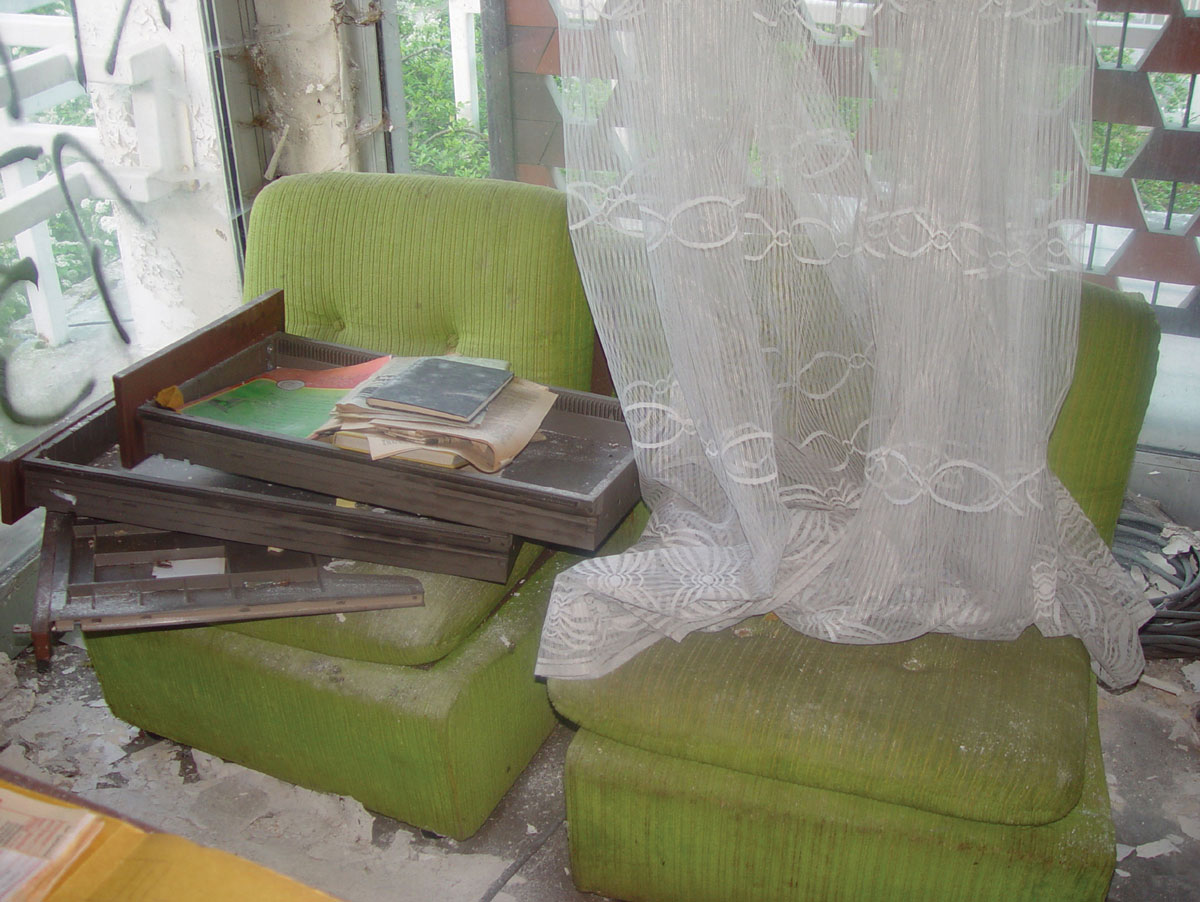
(829, 251)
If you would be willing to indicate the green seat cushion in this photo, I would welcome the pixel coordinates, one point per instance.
(434, 746)
(647, 827)
(989, 731)
(426, 265)
(454, 607)
(1095, 436)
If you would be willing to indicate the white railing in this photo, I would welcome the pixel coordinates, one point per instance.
(41, 80)
(463, 59)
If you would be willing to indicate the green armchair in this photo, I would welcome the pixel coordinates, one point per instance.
(424, 714)
(757, 764)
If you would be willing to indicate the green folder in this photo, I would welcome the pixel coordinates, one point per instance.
(263, 405)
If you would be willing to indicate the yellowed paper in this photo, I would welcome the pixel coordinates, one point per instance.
(512, 419)
(164, 866)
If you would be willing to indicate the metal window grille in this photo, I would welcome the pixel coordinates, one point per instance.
(1144, 197)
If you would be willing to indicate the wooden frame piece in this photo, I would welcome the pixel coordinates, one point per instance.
(75, 470)
(183, 359)
(570, 488)
(101, 576)
(53, 566)
(13, 504)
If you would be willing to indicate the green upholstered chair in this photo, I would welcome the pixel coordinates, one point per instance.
(758, 764)
(425, 714)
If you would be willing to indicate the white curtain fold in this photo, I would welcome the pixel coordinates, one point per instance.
(828, 249)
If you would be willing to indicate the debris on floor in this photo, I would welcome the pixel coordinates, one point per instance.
(56, 728)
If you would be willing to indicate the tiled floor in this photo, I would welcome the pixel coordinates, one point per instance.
(56, 728)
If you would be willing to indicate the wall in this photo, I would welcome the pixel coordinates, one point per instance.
(533, 59)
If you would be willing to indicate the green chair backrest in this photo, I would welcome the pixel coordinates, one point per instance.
(1094, 439)
(414, 265)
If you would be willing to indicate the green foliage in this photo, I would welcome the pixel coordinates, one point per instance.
(77, 111)
(54, 8)
(1171, 91)
(12, 303)
(1156, 196)
(1115, 144)
(438, 141)
(70, 253)
(584, 99)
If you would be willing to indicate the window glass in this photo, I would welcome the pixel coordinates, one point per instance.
(443, 121)
(114, 195)
(115, 224)
(1145, 199)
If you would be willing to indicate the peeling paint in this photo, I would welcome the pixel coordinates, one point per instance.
(1156, 848)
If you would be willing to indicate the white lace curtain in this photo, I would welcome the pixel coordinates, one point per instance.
(829, 251)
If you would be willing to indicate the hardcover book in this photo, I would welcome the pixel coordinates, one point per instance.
(380, 446)
(436, 386)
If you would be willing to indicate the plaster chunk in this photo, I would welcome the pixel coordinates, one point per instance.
(1156, 848)
(8, 676)
(16, 703)
(1191, 673)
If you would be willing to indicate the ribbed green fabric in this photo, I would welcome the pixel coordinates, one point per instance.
(940, 724)
(426, 714)
(768, 765)
(1094, 438)
(426, 265)
(420, 265)
(649, 828)
(454, 607)
(961, 728)
(435, 746)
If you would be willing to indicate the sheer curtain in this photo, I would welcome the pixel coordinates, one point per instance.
(828, 248)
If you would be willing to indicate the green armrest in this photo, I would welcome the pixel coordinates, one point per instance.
(1095, 436)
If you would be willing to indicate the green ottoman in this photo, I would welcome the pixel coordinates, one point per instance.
(372, 712)
(759, 764)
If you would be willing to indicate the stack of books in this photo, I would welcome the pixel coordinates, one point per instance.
(440, 410)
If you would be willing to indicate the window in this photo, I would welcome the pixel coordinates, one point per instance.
(142, 132)
(187, 111)
(139, 244)
(443, 129)
(1144, 207)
